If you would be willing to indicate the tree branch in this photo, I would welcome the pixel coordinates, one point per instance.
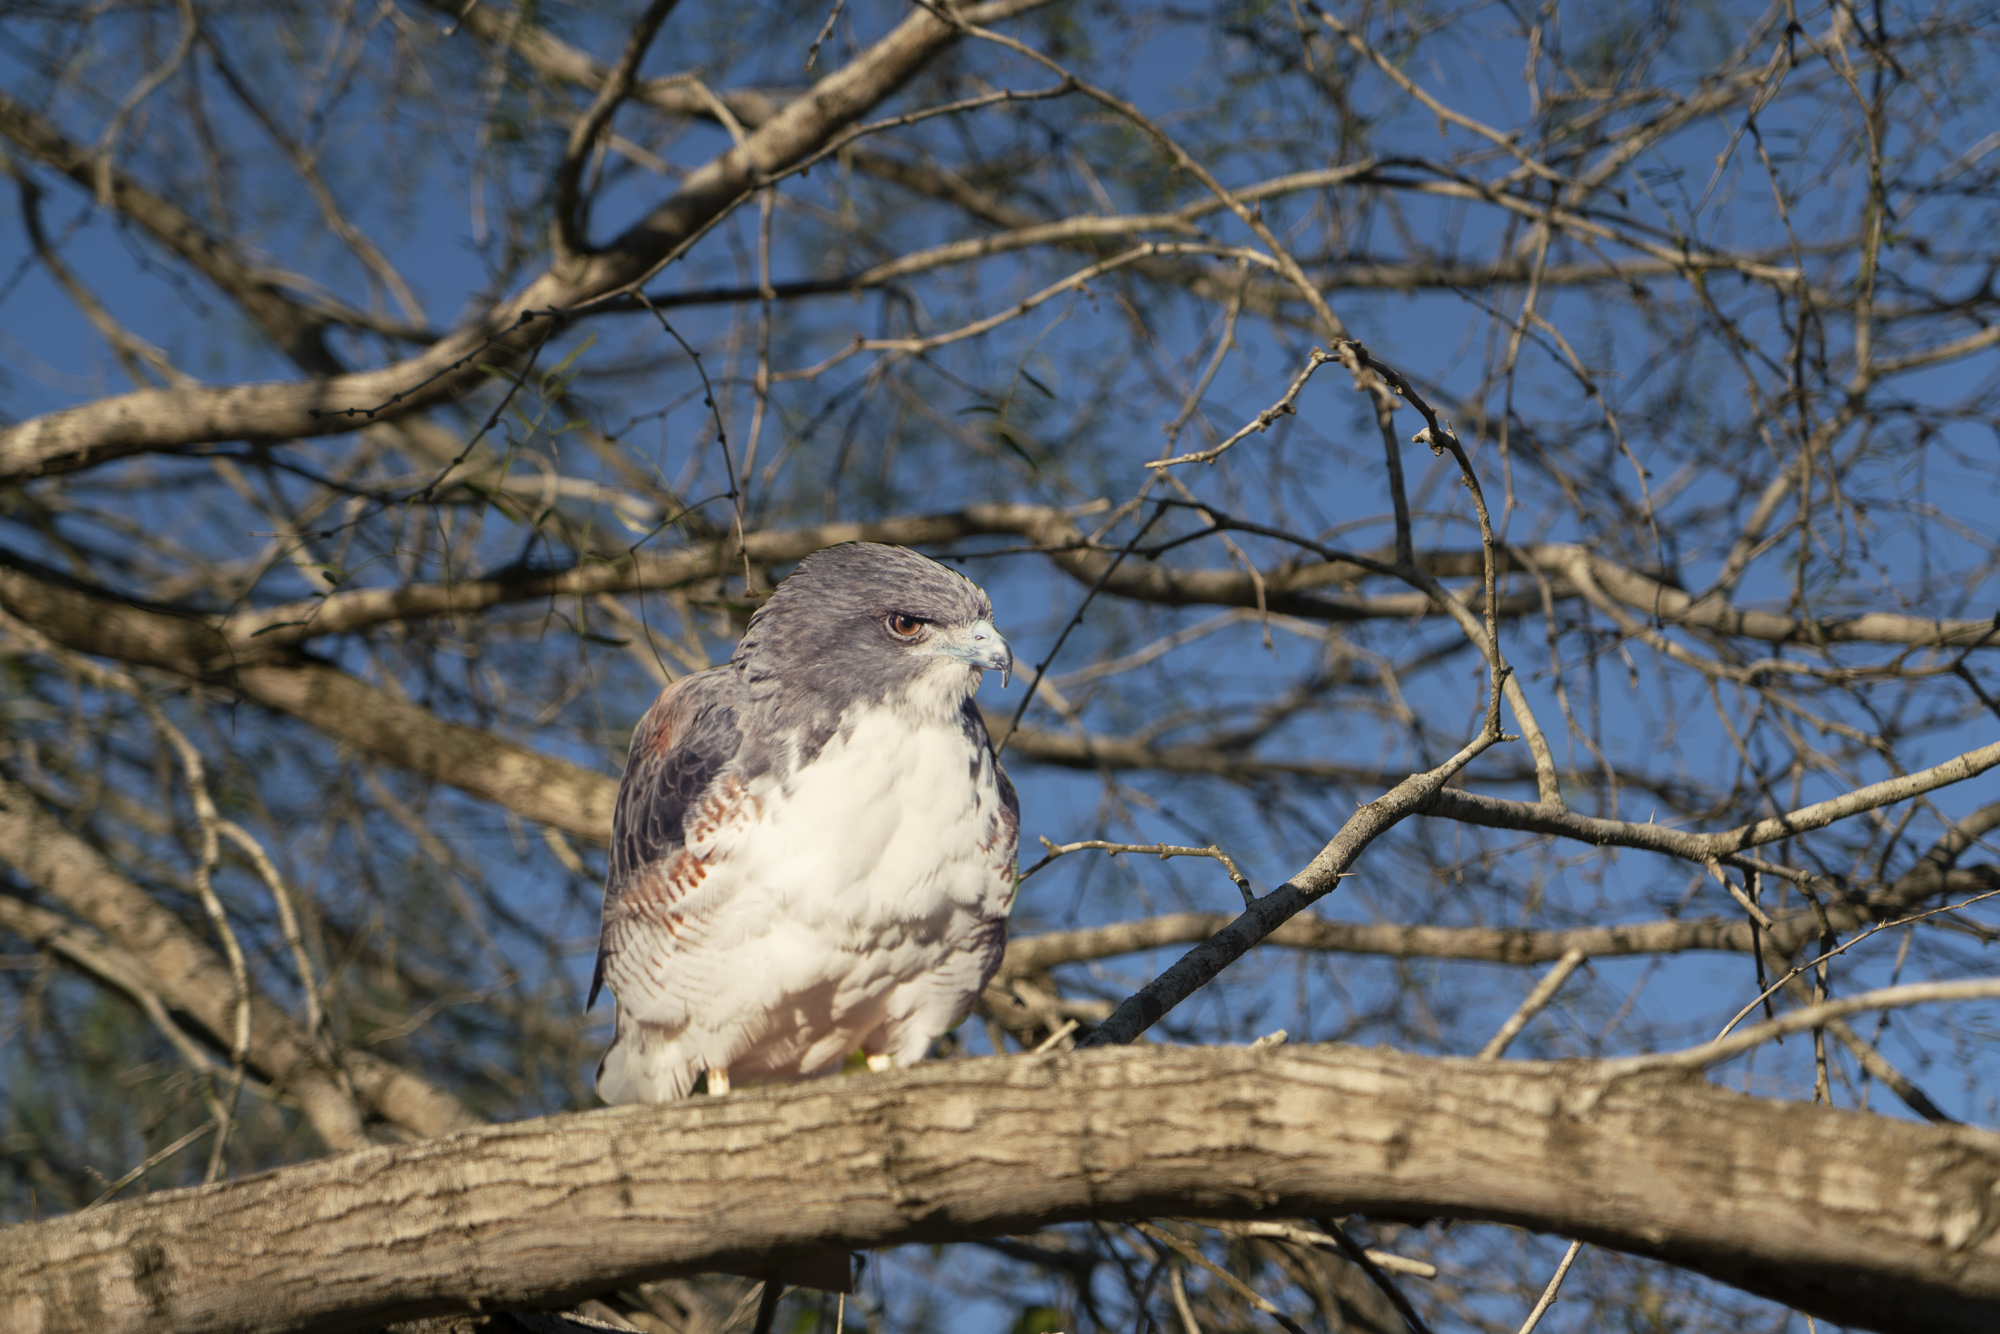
(1892, 1228)
(1199, 966)
(169, 420)
(1290, 589)
(296, 326)
(540, 787)
(178, 966)
(1528, 817)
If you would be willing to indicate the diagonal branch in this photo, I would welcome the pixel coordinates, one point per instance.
(1201, 965)
(571, 209)
(541, 787)
(175, 964)
(170, 420)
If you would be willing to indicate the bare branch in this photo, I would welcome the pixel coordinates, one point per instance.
(168, 420)
(1498, 814)
(571, 210)
(1538, 999)
(540, 787)
(1198, 967)
(1296, 590)
(177, 965)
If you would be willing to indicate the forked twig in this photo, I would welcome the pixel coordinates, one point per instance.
(1161, 850)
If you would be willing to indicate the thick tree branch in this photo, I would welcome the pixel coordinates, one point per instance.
(1881, 1224)
(539, 787)
(1298, 590)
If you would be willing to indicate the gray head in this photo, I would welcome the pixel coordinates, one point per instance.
(864, 623)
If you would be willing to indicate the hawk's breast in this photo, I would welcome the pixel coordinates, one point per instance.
(851, 889)
(889, 830)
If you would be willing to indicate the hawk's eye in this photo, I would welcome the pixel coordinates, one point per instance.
(905, 626)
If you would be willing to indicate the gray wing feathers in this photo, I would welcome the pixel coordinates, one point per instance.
(683, 746)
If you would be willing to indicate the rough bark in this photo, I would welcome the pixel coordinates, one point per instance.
(1876, 1223)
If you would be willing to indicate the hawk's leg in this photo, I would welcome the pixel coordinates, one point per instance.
(718, 1081)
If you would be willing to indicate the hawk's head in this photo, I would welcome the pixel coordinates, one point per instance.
(864, 622)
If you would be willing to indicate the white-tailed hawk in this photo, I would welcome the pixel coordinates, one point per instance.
(813, 848)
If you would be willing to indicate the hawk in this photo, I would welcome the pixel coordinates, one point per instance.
(813, 851)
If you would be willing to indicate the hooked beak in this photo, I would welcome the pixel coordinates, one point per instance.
(980, 645)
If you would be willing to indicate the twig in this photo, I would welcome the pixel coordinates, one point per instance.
(1160, 850)
(1282, 258)
(1192, 1253)
(288, 921)
(1437, 433)
(1199, 966)
(1771, 990)
(1354, 1252)
(1549, 1293)
(1048, 1043)
(107, 143)
(1179, 1289)
(570, 207)
(1544, 992)
(987, 323)
(152, 1161)
(1263, 915)
(1257, 425)
(1076, 619)
(1319, 1240)
(826, 31)
(210, 820)
(1812, 1016)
